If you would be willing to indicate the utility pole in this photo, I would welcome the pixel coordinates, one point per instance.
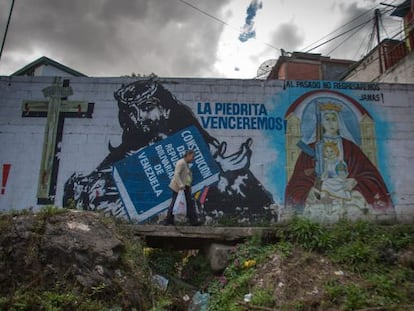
(377, 28)
(7, 28)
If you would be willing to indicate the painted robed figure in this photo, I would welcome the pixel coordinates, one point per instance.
(332, 175)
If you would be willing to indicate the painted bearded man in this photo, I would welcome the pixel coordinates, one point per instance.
(147, 114)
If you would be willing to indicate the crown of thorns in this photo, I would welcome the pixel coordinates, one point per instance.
(129, 96)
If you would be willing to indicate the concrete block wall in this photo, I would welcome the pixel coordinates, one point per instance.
(402, 72)
(252, 184)
(368, 70)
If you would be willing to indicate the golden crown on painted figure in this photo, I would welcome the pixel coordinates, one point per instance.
(330, 106)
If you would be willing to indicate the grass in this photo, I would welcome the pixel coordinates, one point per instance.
(263, 298)
(363, 249)
(366, 252)
(50, 300)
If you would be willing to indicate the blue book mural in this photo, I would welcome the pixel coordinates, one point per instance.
(142, 179)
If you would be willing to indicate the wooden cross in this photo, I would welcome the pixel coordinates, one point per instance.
(56, 109)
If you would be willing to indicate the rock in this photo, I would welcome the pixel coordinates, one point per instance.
(218, 255)
(388, 255)
(81, 250)
(95, 245)
(406, 258)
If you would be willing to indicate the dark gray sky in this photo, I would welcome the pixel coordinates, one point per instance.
(169, 38)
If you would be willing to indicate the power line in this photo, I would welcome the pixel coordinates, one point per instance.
(337, 36)
(343, 26)
(337, 29)
(358, 53)
(371, 36)
(222, 22)
(383, 27)
(371, 41)
(205, 13)
(347, 38)
(375, 29)
(7, 28)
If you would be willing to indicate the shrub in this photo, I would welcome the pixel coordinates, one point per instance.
(309, 235)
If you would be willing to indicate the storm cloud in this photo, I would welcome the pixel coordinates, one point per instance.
(288, 36)
(112, 38)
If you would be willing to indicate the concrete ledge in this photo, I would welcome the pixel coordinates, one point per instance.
(194, 237)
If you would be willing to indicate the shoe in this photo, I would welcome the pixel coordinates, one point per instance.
(196, 223)
(168, 222)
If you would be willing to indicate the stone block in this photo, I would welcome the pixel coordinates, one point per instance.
(218, 255)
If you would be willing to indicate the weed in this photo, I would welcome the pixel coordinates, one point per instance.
(350, 296)
(49, 300)
(133, 259)
(72, 204)
(226, 298)
(401, 236)
(382, 287)
(95, 290)
(161, 304)
(228, 221)
(294, 306)
(5, 222)
(284, 248)
(197, 270)
(165, 261)
(356, 297)
(363, 247)
(263, 298)
(310, 235)
(50, 210)
(357, 255)
(385, 289)
(234, 284)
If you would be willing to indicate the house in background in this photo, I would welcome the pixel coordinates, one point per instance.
(392, 61)
(406, 11)
(308, 66)
(377, 62)
(45, 66)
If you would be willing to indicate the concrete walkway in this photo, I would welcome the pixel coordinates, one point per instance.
(187, 237)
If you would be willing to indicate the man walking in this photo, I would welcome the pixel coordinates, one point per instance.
(182, 180)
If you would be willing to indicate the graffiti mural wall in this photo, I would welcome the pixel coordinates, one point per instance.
(264, 150)
(149, 115)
